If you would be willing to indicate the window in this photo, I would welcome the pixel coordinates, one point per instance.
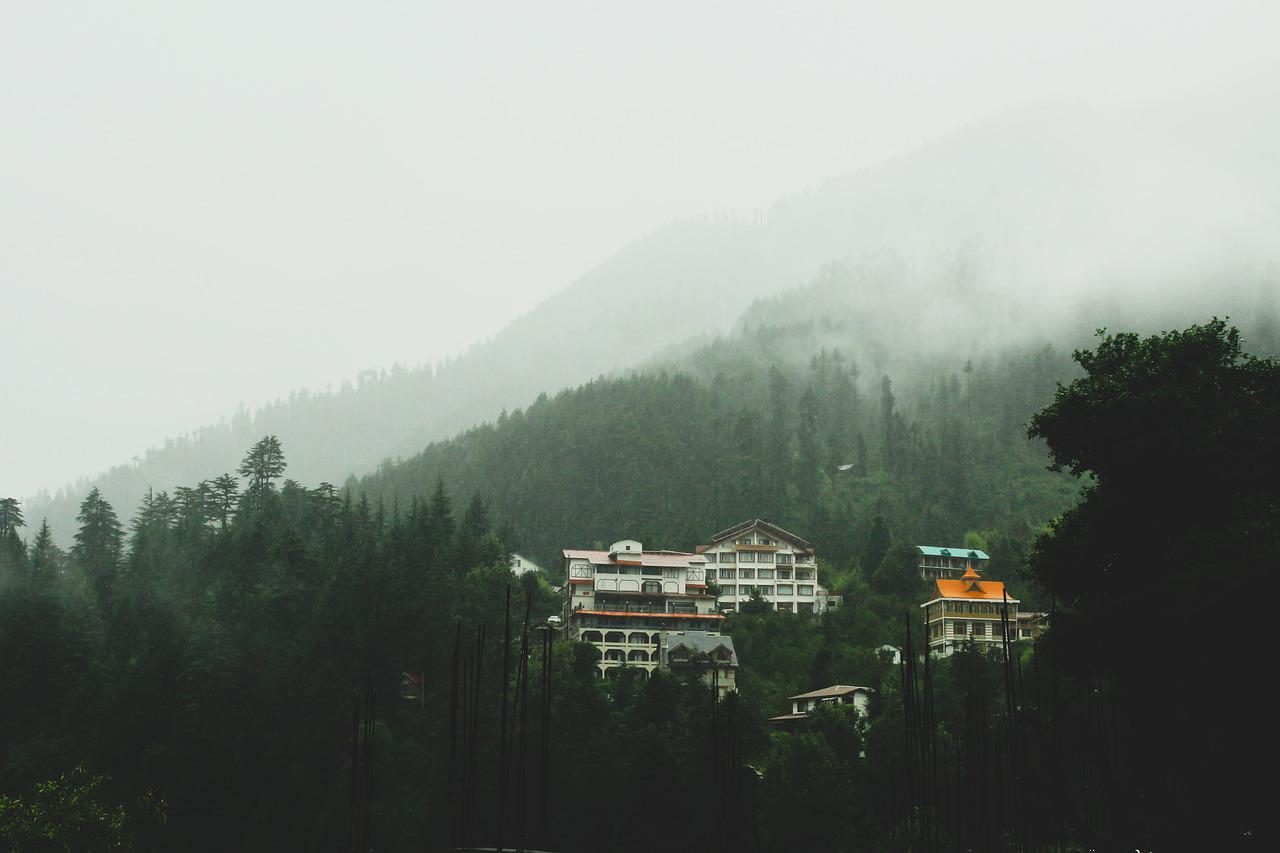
(784, 574)
(804, 575)
(745, 540)
(766, 573)
(980, 628)
(783, 558)
(746, 573)
(804, 607)
(785, 607)
(959, 628)
(652, 588)
(766, 589)
(711, 574)
(746, 556)
(785, 589)
(728, 574)
(765, 540)
(765, 556)
(806, 589)
(728, 589)
(728, 557)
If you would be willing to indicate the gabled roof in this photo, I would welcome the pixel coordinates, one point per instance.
(701, 642)
(986, 591)
(771, 529)
(963, 553)
(829, 692)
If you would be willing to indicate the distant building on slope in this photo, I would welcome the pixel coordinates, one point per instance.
(706, 653)
(936, 562)
(968, 609)
(623, 599)
(522, 565)
(756, 556)
(804, 704)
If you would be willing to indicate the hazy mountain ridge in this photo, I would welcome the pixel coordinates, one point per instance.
(975, 239)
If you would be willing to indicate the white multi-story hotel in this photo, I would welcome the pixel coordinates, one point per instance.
(756, 556)
(969, 609)
(622, 600)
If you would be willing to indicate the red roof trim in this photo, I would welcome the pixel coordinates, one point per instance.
(650, 615)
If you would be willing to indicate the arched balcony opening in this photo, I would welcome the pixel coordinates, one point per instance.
(638, 638)
(615, 637)
(638, 655)
(592, 637)
(613, 655)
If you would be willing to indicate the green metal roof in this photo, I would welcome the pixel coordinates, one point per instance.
(963, 553)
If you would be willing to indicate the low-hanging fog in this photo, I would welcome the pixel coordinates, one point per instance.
(206, 207)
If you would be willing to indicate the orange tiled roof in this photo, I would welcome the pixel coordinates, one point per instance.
(987, 590)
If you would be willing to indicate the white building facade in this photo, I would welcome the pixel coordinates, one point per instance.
(756, 556)
(804, 704)
(623, 599)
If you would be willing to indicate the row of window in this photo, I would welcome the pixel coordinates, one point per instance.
(766, 589)
(757, 540)
(756, 557)
(783, 606)
(945, 562)
(763, 574)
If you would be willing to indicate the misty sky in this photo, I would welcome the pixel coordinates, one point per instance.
(203, 204)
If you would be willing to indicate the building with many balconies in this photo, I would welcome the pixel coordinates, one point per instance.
(969, 609)
(623, 599)
(758, 557)
(937, 562)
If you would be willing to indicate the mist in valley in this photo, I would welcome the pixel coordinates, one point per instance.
(316, 317)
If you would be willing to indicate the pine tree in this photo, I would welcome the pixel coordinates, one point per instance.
(45, 558)
(224, 494)
(262, 465)
(808, 449)
(888, 424)
(98, 544)
(10, 516)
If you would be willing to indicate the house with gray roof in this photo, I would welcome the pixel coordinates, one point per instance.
(706, 653)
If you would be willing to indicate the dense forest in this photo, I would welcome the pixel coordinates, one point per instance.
(185, 681)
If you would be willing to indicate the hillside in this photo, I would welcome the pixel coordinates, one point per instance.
(975, 238)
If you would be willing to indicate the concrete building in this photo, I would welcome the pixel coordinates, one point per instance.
(1032, 625)
(621, 600)
(804, 704)
(936, 562)
(706, 653)
(758, 556)
(968, 609)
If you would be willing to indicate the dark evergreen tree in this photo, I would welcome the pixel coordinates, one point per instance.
(98, 545)
(262, 466)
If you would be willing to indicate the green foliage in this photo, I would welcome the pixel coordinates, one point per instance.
(1177, 526)
(70, 813)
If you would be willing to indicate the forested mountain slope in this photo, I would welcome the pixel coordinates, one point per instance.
(1001, 233)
